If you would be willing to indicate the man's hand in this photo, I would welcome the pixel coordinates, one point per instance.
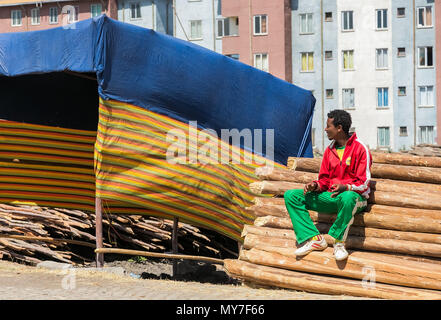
(311, 186)
(337, 189)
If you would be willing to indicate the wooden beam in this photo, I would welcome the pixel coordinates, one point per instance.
(99, 231)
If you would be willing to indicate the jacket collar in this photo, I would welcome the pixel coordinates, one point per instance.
(352, 138)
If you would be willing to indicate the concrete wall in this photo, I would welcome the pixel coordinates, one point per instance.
(275, 43)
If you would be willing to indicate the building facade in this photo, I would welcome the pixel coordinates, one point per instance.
(258, 33)
(192, 20)
(27, 15)
(374, 59)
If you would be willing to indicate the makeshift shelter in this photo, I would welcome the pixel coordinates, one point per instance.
(96, 108)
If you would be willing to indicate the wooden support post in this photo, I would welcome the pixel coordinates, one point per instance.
(99, 231)
(175, 244)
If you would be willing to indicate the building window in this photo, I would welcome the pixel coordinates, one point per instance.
(328, 16)
(260, 24)
(135, 10)
(16, 18)
(401, 12)
(347, 18)
(424, 17)
(195, 29)
(382, 97)
(426, 96)
(53, 15)
(348, 98)
(95, 9)
(306, 23)
(425, 57)
(348, 59)
(329, 93)
(425, 135)
(401, 91)
(35, 16)
(403, 131)
(381, 59)
(72, 14)
(307, 61)
(234, 56)
(228, 27)
(381, 16)
(328, 55)
(401, 52)
(383, 137)
(261, 61)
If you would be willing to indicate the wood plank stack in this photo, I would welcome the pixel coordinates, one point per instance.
(394, 246)
(69, 235)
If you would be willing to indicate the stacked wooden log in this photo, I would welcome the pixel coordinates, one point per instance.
(394, 246)
(69, 235)
(425, 150)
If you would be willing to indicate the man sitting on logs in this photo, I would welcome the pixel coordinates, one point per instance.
(342, 187)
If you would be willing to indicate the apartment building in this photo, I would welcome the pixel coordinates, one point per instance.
(258, 33)
(191, 20)
(376, 60)
(28, 15)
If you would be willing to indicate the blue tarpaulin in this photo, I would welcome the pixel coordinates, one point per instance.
(169, 76)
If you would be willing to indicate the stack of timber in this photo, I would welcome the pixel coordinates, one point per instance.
(425, 150)
(31, 234)
(394, 246)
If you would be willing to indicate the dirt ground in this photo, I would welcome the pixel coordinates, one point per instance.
(137, 280)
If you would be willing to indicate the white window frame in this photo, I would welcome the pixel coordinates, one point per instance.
(222, 22)
(308, 55)
(378, 137)
(405, 91)
(349, 13)
(35, 16)
(425, 54)
(14, 19)
(351, 92)
(424, 90)
(136, 11)
(383, 52)
(382, 27)
(423, 25)
(197, 36)
(401, 133)
(51, 10)
(259, 16)
(383, 90)
(343, 60)
(428, 132)
(261, 57)
(308, 17)
(95, 5)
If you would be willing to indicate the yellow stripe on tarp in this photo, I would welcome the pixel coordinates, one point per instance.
(128, 170)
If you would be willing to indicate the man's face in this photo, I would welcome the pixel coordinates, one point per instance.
(331, 130)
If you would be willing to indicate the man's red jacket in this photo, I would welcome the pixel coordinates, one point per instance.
(354, 169)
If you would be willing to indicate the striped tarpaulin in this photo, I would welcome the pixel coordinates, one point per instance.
(54, 167)
(132, 167)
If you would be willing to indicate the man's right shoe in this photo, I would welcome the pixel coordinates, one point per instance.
(312, 245)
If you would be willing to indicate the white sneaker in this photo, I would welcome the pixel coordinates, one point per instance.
(311, 245)
(340, 252)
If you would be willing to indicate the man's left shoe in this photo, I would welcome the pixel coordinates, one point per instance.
(340, 252)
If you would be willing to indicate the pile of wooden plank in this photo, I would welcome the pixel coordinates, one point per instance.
(425, 150)
(68, 236)
(394, 246)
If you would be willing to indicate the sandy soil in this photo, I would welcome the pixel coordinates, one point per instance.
(145, 280)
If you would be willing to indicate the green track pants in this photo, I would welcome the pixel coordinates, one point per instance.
(346, 205)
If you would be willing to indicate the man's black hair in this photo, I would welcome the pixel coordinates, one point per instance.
(342, 118)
